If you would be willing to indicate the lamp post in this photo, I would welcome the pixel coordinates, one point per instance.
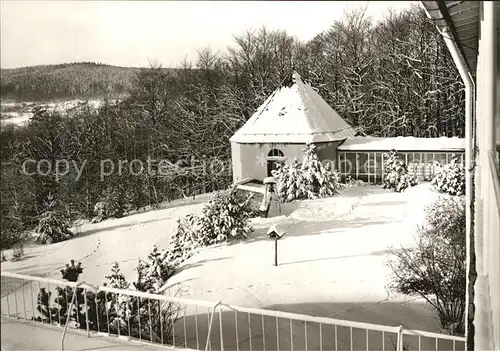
(274, 232)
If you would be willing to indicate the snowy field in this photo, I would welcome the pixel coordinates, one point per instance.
(19, 113)
(331, 260)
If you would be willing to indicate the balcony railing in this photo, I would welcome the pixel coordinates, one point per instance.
(199, 325)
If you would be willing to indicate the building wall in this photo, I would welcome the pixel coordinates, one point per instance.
(250, 160)
(498, 103)
(236, 162)
(327, 152)
(486, 207)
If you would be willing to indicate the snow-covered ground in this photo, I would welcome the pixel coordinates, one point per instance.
(19, 113)
(331, 260)
(331, 263)
(19, 336)
(16, 118)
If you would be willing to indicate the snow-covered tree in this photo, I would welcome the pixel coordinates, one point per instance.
(309, 180)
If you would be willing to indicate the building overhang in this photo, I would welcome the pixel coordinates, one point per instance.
(460, 21)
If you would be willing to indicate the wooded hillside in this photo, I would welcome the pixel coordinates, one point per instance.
(66, 81)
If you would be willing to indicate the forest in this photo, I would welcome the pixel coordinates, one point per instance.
(388, 78)
(65, 81)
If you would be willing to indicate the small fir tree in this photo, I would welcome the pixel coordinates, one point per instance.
(309, 180)
(396, 175)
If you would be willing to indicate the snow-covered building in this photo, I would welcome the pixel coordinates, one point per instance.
(294, 115)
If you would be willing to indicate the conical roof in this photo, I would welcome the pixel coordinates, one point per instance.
(294, 113)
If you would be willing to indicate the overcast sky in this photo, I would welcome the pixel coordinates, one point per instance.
(127, 33)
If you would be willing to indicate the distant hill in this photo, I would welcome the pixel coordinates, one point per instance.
(83, 80)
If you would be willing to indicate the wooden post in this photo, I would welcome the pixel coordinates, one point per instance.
(275, 233)
(276, 252)
(357, 165)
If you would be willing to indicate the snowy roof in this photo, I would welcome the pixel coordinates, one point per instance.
(294, 113)
(403, 144)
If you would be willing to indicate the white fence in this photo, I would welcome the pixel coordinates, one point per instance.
(198, 325)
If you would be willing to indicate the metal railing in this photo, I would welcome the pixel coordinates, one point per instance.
(133, 315)
(198, 325)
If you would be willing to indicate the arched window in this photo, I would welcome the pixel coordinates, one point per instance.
(275, 153)
(274, 157)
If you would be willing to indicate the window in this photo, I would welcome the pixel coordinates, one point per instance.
(274, 157)
(275, 153)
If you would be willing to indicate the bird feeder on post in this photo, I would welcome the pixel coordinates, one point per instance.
(274, 232)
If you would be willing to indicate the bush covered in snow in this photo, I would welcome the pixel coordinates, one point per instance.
(116, 279)
(225, 217)
(184, 240)
(148, 319)
(447, 215)
(291, 183)
(11, 231)
(450, 178)
(52, 228)
(58, 311)
(309, 180)
(113, 205)
(153, 272)
(436, 268)
(349, 181)
(396, 175)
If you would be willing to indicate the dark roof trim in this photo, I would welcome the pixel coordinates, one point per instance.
(451, 26)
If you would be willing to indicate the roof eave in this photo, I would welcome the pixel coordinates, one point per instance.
(452, 30)
(439, 12)
(290, 138)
